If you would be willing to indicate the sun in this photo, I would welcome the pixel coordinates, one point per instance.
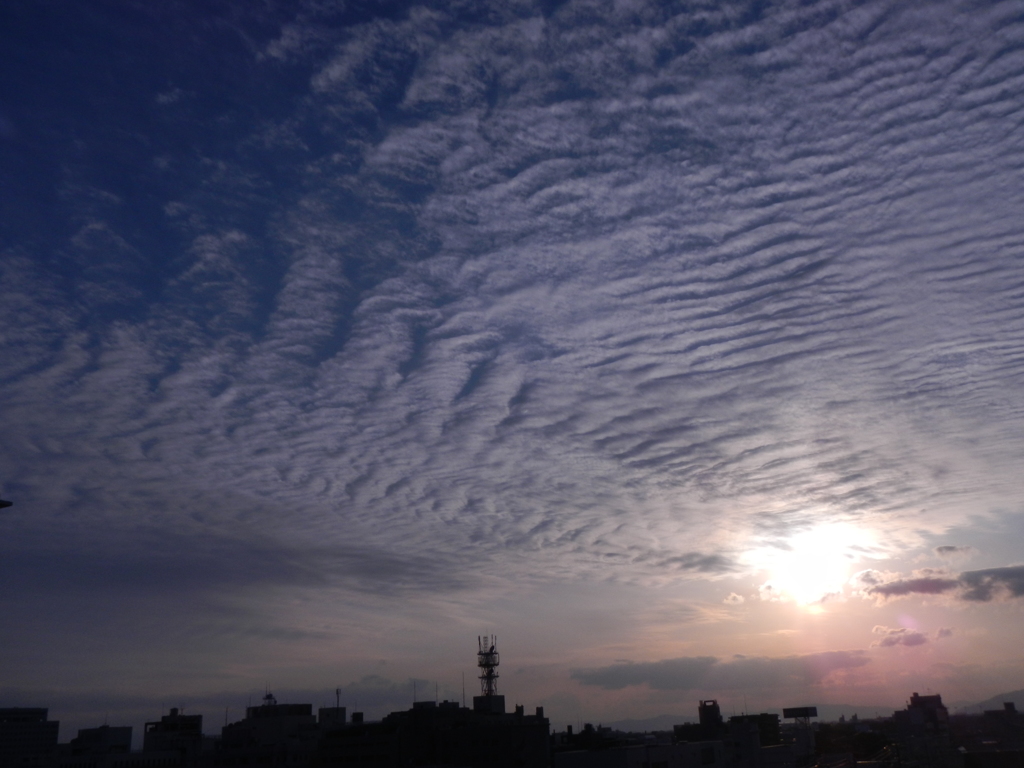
(811, 565)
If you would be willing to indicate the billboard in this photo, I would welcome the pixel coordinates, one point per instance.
(800, 712)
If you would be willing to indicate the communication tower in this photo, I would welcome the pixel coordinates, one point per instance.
(487, 659)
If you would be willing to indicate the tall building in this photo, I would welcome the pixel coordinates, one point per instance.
(922, 730)
(27, 738)
(923, 713)
(710, 716)
(176, 733)
(709, 728)
(270, 734)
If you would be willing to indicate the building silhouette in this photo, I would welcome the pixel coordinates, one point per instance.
(754, 740)
(110, 747)
(27, 737)
(330, 718)
(924, 714)
(177, 734)
(442, 734)
(270, 734)
(923, 735)
(445, 733)
(105, 740)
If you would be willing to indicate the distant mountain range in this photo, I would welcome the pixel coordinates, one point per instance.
(826, 713)
(995, 702)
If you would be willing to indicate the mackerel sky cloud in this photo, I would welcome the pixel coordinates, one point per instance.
(332, 335)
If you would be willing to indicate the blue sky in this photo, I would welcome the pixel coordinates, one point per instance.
(679, 345)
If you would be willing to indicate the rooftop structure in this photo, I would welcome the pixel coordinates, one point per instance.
(923, 712)
(270, 732)
(175, 732)
(26, 734)
(487, 659)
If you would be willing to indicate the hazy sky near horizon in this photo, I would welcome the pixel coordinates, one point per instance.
(681, 345)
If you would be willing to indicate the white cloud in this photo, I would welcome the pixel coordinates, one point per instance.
(591, 296)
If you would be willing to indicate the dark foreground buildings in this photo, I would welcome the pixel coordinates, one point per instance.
(745, 741)
(429, 734)
(446, 735)
(440, 734)
(436, 734)
(270, 734)
(27, 737)
(443, 734)
(178, 734)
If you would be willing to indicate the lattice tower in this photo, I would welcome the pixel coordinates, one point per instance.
(487, 659)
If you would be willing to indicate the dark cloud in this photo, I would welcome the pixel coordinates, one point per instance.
(898, 636)
(949, 550)
(671, 674)
(991, 583)
(971, 586)
(709, 673)
(918, 586)
(155, 562)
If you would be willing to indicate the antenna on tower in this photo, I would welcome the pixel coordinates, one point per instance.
(487, 659)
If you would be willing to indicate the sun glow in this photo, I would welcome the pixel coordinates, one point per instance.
(813, 565)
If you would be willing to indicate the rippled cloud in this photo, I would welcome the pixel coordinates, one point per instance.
(436, 297)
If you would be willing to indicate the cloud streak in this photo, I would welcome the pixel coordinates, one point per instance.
(710, 673)
(981, 586)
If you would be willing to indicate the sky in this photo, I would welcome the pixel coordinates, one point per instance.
(679, 345)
